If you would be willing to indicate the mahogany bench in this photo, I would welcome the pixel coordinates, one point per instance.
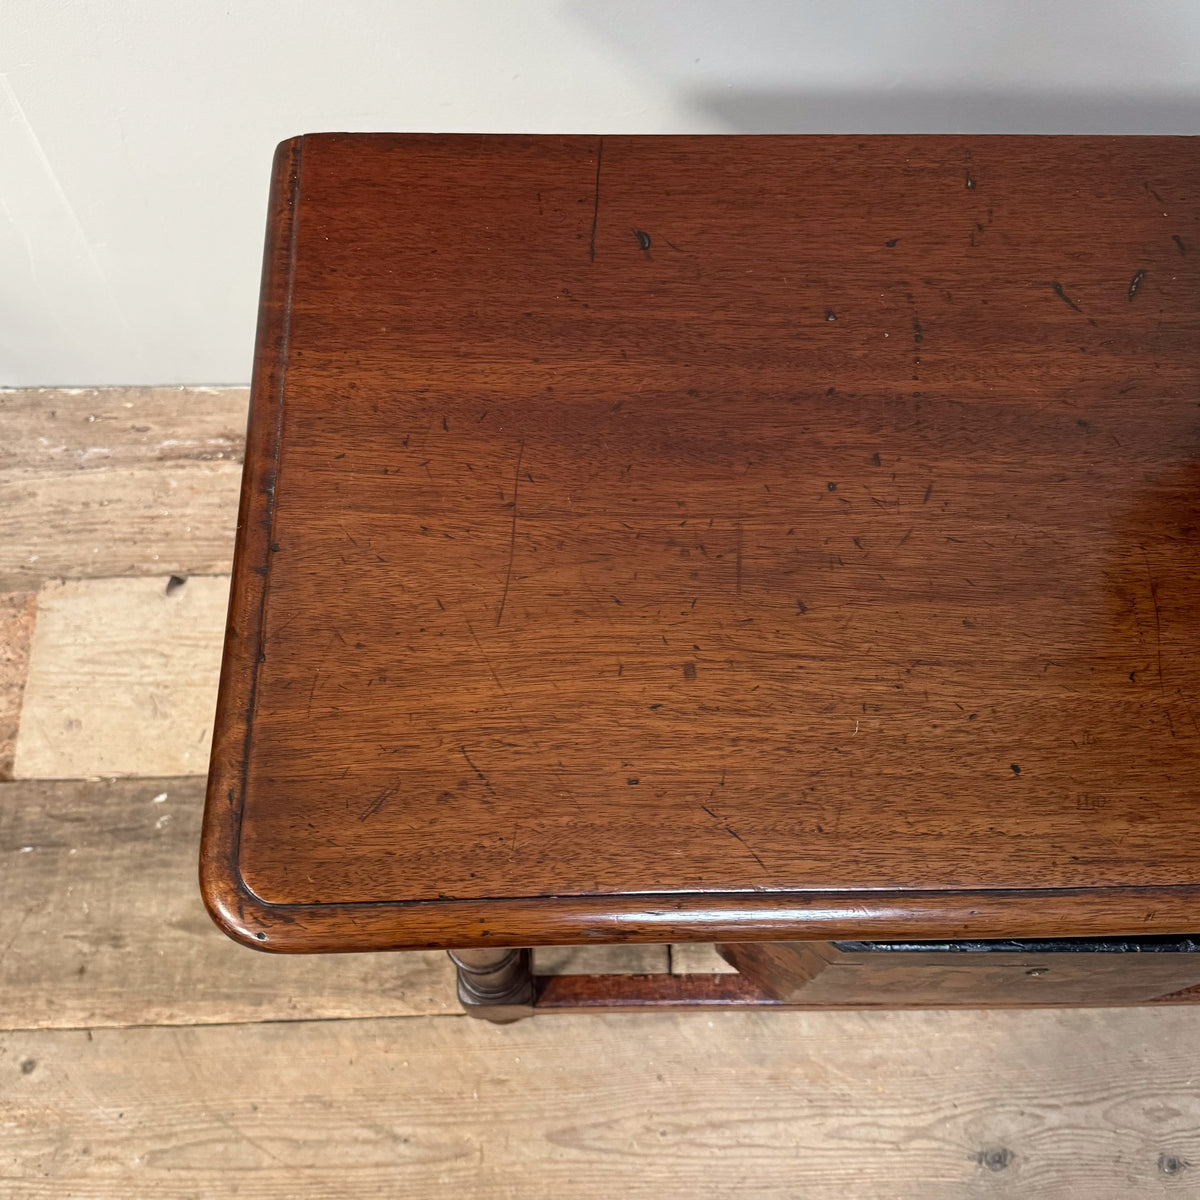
(784, 542)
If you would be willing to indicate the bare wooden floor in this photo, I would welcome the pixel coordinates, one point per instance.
(141, 1054)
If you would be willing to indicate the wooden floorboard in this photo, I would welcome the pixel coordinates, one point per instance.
(698, 959)
(122, 677)
(118, 481)
(927, 1106)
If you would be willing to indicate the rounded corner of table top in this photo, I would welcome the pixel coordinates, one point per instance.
(235, 911)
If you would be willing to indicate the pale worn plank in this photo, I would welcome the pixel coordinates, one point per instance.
(96, 428)
(700, 958)
(118, 481)
(122, 678)
(600, 960)
(16, 629)
(909, 1106)
(101, 923)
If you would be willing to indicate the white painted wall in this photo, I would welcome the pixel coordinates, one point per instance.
(136, 135)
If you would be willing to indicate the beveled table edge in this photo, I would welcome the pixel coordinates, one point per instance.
(691, 917)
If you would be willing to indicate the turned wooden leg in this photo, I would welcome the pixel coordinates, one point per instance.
(496, 985)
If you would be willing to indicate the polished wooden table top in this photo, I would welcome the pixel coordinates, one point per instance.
(716, 538)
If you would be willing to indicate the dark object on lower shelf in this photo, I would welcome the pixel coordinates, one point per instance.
(1162, 944)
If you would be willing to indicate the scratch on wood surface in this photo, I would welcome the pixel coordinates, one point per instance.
(496, 678)
(512, 536)
(738, 558)
(560, 772)
(487, 783)
(1058, 291)
(377, 803)
(20, 925)
(596, 202)
(733, 834)
(211, 1110)
(1157, 623)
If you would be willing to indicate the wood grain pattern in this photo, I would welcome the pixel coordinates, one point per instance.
(808, 549)
(911, 1106)
(118, 481)
(17, 611)
(122, 677)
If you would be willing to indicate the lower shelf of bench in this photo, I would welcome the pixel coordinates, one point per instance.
(684, 993)
(499, 984)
